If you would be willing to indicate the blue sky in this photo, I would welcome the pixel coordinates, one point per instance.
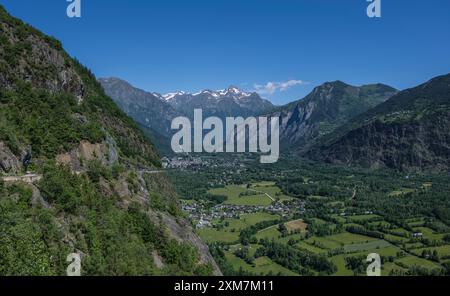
(170, 45)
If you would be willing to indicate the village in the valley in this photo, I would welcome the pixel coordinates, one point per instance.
(202, 215)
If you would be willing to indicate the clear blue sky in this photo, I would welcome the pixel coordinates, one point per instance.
(169, 45)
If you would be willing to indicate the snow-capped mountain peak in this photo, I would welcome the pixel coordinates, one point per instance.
(221, 103)
(228, 102)
(236, 91)
(231, 92)
(170, 96)
(208, 92)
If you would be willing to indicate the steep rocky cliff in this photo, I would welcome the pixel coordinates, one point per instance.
(326, 108)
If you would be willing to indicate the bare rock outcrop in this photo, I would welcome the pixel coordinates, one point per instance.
(9, 163)
(105, 152)
(181, 230)
(31, 64)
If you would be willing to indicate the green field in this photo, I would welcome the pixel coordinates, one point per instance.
(416, 222)
(362, 218)
(305, 246)
(381, 224)
(211, 235)
(372, 245)
(324, 243)
(443, 251)
(233, 192)
(269, 233)
(230, 233)
(247, 220)
(429, 233)
(401, 192)
(395, 239)
(416, 261)
(350, 238)
(262, 266)
(272, 190)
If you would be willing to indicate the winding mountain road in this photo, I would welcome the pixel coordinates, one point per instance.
(28, 178)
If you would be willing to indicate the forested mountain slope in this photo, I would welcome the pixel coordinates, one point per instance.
(410, 131)
(327, 107)
(97, 189)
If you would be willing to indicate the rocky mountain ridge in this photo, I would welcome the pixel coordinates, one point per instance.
(327, 107)
(407, 132)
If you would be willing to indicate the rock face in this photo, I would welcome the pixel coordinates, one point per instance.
(326, 108)
(178, 232)
(408, 132)
(105, 152)
(44, 58)
(9, 163)
(422, 145)
(144, 107)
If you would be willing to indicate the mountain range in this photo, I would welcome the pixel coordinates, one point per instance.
(371, 125)
(154, 112)
(327, 107)
(222, 103)
(230, 102)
